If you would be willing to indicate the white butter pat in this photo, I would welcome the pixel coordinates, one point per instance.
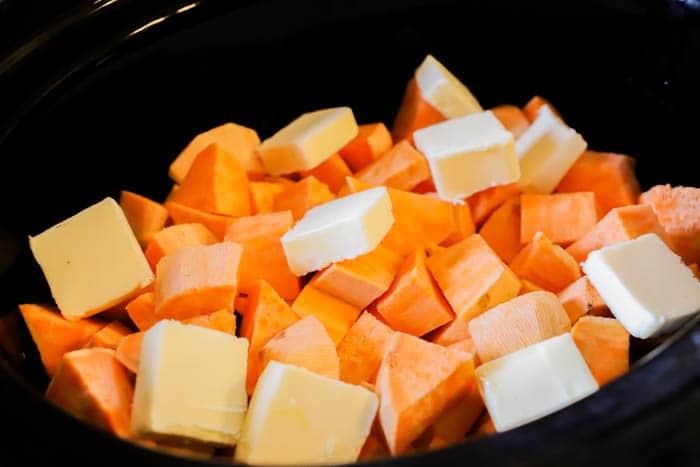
(92, 260)
(645, 284)
(190, 384)
(535, 381)
(341, 229)
(301, 418)
(547, 150)
(468, 154)
(308, 141)
(442, 90)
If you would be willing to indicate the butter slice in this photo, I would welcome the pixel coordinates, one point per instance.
(442, 90)
(468, 154)
(190, 384)
(547, 150)
(307, 141)
(299, 417)
(646, 286)
(341, 229)
(535, 381)
(92, 260)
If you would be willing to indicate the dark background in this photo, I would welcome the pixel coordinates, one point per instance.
(623, 73)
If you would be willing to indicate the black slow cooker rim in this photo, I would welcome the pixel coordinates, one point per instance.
(119, 26)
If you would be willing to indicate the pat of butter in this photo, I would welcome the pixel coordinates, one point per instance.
(547, 150)
(646, 286)
(468, 154)
(535, 381)
(92, 260)
(190, 384)
(341, 229)
(299, 417)
(442, 90)
(307, 141)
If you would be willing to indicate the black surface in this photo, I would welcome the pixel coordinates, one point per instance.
(125, 84)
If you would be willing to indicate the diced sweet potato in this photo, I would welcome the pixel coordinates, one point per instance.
(678, 210)
(145, 216)
(518, 323)
(263, 257)
(361, 280)
(545, 264)
(267, 314)
(172, 238)
(306, 344)
(93, 386)
(472, 277)
(502, 230)
(362, 348)
(562, 217)
(416, 382)
(109, 336)
(332, 172)
(142, 311)
(604, 344)
(196, 280)
(618, 225)
(610, 176)
(415, 113)
(484, 202)
(414, 304)
(262, 196)
(302, 196)
(336, 315)
(182, 214)
(372, 141)
(215, 183)
(513, 118)
(402, 167)
(54, 335)
(581, 298)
